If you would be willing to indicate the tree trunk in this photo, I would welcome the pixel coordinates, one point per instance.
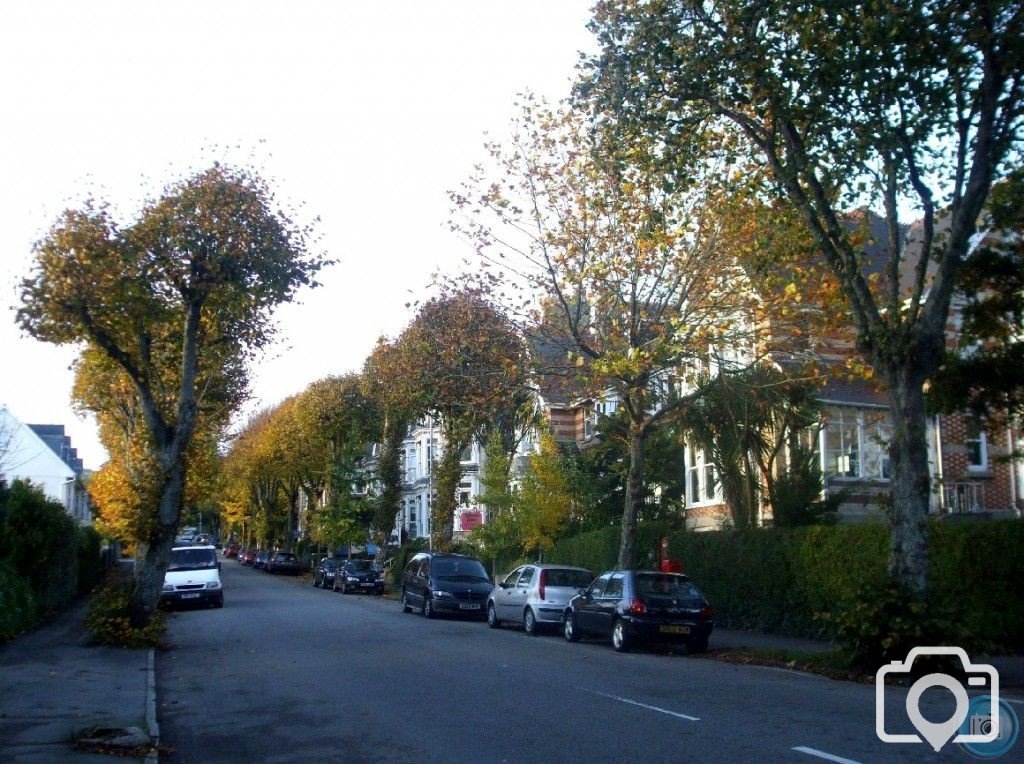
(911, 482)
(634, 496)
(149, 575)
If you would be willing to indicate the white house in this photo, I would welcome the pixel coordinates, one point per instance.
(42, 454)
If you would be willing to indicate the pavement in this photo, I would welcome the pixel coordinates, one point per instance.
(55, 686)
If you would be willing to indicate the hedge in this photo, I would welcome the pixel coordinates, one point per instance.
(46, 560)
(776, 580)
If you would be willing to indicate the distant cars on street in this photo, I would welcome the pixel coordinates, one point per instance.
(260, 560)
(631, 607)
(323, 574)
(449, 584)
(283, 562)
(535, 595)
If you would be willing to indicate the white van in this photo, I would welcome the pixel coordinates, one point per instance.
(193, 576)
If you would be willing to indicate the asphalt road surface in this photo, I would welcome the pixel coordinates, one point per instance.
(285, 672)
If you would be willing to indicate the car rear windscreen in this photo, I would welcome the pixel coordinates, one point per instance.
(668, 585)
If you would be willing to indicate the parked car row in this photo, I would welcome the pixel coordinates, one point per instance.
(270, 562)
(627, 607)
(345, 575)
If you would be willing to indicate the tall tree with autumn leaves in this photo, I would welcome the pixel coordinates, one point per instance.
(463, 361)
(640, 287)
(173, 298)
(913, 106)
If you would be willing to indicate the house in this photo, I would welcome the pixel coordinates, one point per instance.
(423, 444)
(43, 455)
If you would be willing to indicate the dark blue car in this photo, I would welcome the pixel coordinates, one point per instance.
(630, 607)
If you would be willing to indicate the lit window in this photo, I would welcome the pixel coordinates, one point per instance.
(977, 446)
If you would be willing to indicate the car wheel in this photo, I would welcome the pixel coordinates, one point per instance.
(344, 587)
(406, 607)
(492, 616)
(219, 602)
(334, 585)
(315, 582)
(530, 622)
(428, 608)
(620, 639)
(569, 629)
(698, 645)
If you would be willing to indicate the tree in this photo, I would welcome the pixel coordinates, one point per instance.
(983, 373)
(465, 363)
(631, 262)
(180, 297)
(548, 497)
(912, 105)
(745, 420)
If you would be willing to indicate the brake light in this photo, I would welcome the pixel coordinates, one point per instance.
(707, 611)
(543, 581)
(637, 607)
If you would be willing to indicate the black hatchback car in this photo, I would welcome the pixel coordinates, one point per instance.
(436, 583)
(634, 606)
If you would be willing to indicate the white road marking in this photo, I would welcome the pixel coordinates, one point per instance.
(643, 705)
(823, 755)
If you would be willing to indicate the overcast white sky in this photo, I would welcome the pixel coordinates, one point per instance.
(365, 113)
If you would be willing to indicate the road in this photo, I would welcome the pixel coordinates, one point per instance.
(286, 672)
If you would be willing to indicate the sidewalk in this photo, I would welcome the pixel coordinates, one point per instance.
(54, 685)
(1010, 667)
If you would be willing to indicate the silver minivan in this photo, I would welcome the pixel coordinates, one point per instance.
(535, 595)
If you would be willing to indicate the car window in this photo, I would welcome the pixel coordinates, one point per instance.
(359, 566)
(284, 556)
(466, 569)
(614, 587)
(413, 568)
(666, 585)
(597, 588)
(576, 579)
(511, 578)
(192, 559)
(526, 578)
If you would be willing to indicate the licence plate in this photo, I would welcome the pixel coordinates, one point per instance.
(469, 606)
(675, 629)
(193, 596)
(365, 583)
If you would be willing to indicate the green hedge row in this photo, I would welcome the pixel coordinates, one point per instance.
(777, 580)
(46, 559)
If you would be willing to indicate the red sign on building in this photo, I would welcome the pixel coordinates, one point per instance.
(471, 519)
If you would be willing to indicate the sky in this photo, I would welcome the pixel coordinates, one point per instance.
(363, 114)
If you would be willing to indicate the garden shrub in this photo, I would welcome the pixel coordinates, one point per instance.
(108, 620)
(41, 544)
(90, 560)
(882, 623)
(17, 606)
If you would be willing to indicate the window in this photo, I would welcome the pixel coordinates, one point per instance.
(511, 578)
(701, 478)
(597, 588)
(467, 454)
(614, 588)
(977, 446)
(856, 443)
(589, 420)
(526, 578)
